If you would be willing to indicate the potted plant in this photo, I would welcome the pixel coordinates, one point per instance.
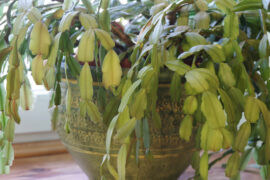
(198, 70)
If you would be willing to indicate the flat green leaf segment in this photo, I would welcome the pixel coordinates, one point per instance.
(212, 110)
(214, 51)
(127, 95)
(177, 66)
(201, 80)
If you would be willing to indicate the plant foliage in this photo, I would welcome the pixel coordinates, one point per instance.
(218, 51)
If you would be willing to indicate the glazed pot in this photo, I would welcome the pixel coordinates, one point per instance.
(170, 156)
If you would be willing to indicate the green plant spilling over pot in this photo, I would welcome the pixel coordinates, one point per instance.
(217, 51)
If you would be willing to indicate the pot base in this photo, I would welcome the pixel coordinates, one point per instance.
(169, 156)
(160, 167)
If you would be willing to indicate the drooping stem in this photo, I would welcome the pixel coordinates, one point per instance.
(230, 151)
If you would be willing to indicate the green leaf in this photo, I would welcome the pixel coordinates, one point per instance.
(146, 135)
(145, 30)
(125, 130)
(3, 54)
(215, 52)
(252, 110)
(121, 162)
(203, 136)
(9, 130)
(214, 139)
(67, 126)
(93, 112)
(264, 65)
(66, 21)
(85, 82)
(232, 168)
(267, 146)
(18, 24)
(201, 79)
(112, 170)
(202, 20)
(105, 20)
(150, 81)
(177, 66)
(110, 132)
(263, 46)
(248, 80)
(242, 136)
(228, 49)
(111, 110)
(65, 44)
(144, 71)
(179, 30)
(155, 58)
(2, 97)
(54, 50)
(195, 161)
(3, 168)
(229, 106)
(265, 112)
(87, 41)
(68, 100)
(26, 97)
(238, 51)
(73, 66)
(243, 78)
(34, 15)
(246, 5)
(8, 153)
(231, 26)
(123, 118)
(264, 172)
(225, 74)
(194, 39)
(238, 98)
(225, 5)
(127, 95)
(105, 39)
(126, 85)
(190, 105)
(197, 82)
(212, 110)
(264, 70)
(111, 70)
(185, 129)
(54, 118)
(204, 166)
(227, 138)
(88, 5)
(175, 88)
(210, 66)
(201, 5)
(155, 36)
(191, 51)
(245, 158)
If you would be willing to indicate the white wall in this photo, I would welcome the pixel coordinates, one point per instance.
(36, 123)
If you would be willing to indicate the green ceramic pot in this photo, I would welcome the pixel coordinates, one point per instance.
(170, 156)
